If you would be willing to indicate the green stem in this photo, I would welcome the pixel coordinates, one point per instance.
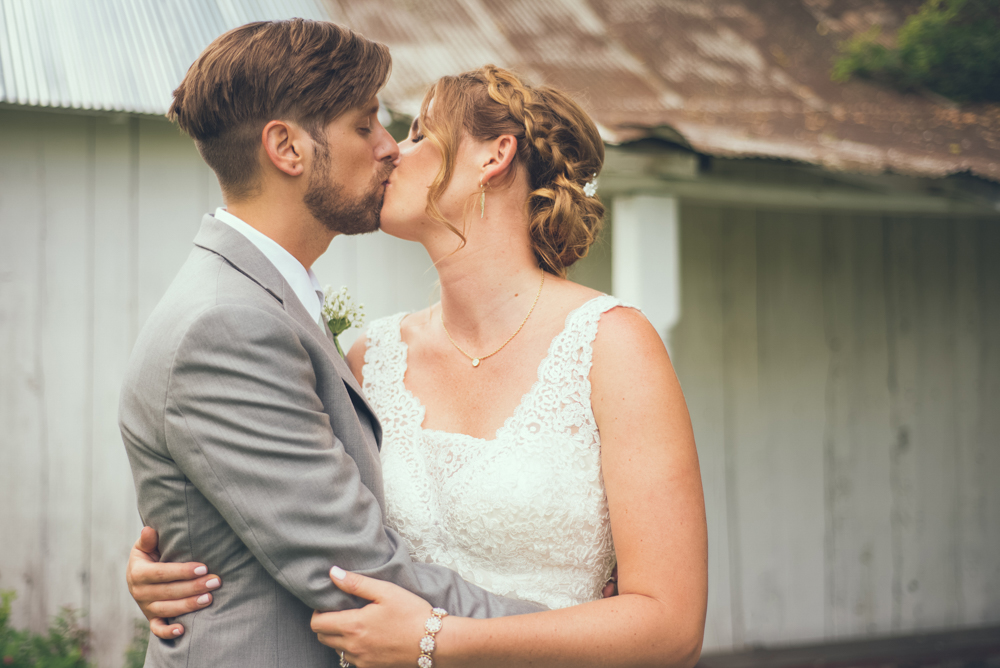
(336, 342)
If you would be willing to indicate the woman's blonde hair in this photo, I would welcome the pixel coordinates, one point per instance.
(557, 145)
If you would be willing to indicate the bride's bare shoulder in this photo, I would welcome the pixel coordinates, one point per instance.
(416, 325)
(627, 342)
(626, 327)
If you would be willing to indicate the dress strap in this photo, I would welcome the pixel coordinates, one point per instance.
(565, 371)
(590, 312)
(385, 357)
(581, 330)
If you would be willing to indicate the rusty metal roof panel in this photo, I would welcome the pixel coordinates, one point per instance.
(755, 80)
(732, 77)
(116, 55)
(560, 41)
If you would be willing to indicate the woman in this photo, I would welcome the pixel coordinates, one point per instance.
(526, 418)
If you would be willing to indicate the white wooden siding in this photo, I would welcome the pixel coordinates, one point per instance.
(843, 374)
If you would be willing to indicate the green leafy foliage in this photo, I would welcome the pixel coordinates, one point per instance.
(65, 646)
(951, 47)
(399, 127)
(135, 653)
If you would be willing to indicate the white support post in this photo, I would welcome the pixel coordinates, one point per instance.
(645, 257)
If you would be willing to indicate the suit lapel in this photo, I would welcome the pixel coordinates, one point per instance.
(240, 252)
(342, 364)
(322, 333)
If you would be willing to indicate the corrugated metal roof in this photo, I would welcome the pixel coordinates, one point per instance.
(728, 77)
(116, 55)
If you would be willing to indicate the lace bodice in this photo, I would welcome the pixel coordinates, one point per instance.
(523, 514)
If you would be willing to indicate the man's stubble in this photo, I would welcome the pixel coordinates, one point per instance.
(336, 211)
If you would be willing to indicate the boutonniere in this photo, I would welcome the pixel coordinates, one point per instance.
(341, 313)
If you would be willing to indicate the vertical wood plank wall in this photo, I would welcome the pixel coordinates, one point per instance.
(843, 376)
(96, 217)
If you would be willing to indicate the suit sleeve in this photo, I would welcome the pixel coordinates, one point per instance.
(244, 423)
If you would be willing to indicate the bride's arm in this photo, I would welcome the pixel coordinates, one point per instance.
(650, 469)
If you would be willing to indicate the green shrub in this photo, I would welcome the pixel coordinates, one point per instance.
(65, 646)
(951, 47)
(135, 653)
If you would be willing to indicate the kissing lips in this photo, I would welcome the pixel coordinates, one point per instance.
(387, 172)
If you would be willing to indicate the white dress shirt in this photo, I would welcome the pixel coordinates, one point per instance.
(303, 281)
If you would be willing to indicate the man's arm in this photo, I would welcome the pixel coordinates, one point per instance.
(244, 423)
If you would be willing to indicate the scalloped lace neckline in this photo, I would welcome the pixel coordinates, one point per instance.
(553, 345)
(523, 514)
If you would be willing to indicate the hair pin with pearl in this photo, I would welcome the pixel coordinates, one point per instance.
(590, 188)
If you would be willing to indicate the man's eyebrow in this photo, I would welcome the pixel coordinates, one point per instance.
(373, 109)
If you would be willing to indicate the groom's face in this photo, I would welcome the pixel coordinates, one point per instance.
(349, 171)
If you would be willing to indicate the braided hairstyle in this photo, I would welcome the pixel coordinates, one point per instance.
(557, 144)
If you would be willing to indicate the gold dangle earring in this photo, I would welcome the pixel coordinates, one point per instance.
(482, 199)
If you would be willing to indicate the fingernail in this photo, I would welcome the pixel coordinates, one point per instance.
(203, 599)
(177, 632)
(201, 570)
(338, 573)
(213, 583)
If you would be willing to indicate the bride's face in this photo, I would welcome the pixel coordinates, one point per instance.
(404, 213)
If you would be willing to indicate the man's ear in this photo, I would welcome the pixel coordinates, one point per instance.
(285, 145)
(499, 157)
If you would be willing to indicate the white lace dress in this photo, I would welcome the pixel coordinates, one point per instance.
(522, 515)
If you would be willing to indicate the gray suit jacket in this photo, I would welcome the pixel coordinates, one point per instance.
(255, 452)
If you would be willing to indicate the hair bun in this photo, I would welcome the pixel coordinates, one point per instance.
(558, 145)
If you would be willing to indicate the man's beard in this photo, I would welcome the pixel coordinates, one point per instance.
(338, 213)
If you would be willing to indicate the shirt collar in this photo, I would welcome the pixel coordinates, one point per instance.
(302, 281)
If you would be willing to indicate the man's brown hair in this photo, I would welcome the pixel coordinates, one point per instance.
(305, 71)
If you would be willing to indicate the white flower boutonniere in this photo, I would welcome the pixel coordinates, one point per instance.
(340, 313)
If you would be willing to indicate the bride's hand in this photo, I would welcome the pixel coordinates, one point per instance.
(385, 633)
(163, 589)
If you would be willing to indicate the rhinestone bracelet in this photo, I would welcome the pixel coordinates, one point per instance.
(427, 644)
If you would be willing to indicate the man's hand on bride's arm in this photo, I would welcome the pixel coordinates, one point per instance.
(611, 586)
(163, 590)
(383, 634)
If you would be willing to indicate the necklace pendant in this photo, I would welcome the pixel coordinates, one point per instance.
(475, 362)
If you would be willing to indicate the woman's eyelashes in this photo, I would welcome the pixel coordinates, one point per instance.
(415, 134)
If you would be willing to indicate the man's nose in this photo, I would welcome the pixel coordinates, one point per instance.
(386, 149)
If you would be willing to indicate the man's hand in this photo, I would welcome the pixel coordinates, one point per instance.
(164, 590)
(611, 586)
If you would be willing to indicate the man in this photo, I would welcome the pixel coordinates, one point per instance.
(252, 447)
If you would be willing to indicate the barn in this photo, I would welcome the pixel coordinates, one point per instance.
(823, 261)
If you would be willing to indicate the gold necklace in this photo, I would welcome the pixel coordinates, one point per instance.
(477, 360)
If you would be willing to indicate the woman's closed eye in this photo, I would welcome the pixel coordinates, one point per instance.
(415, 134)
